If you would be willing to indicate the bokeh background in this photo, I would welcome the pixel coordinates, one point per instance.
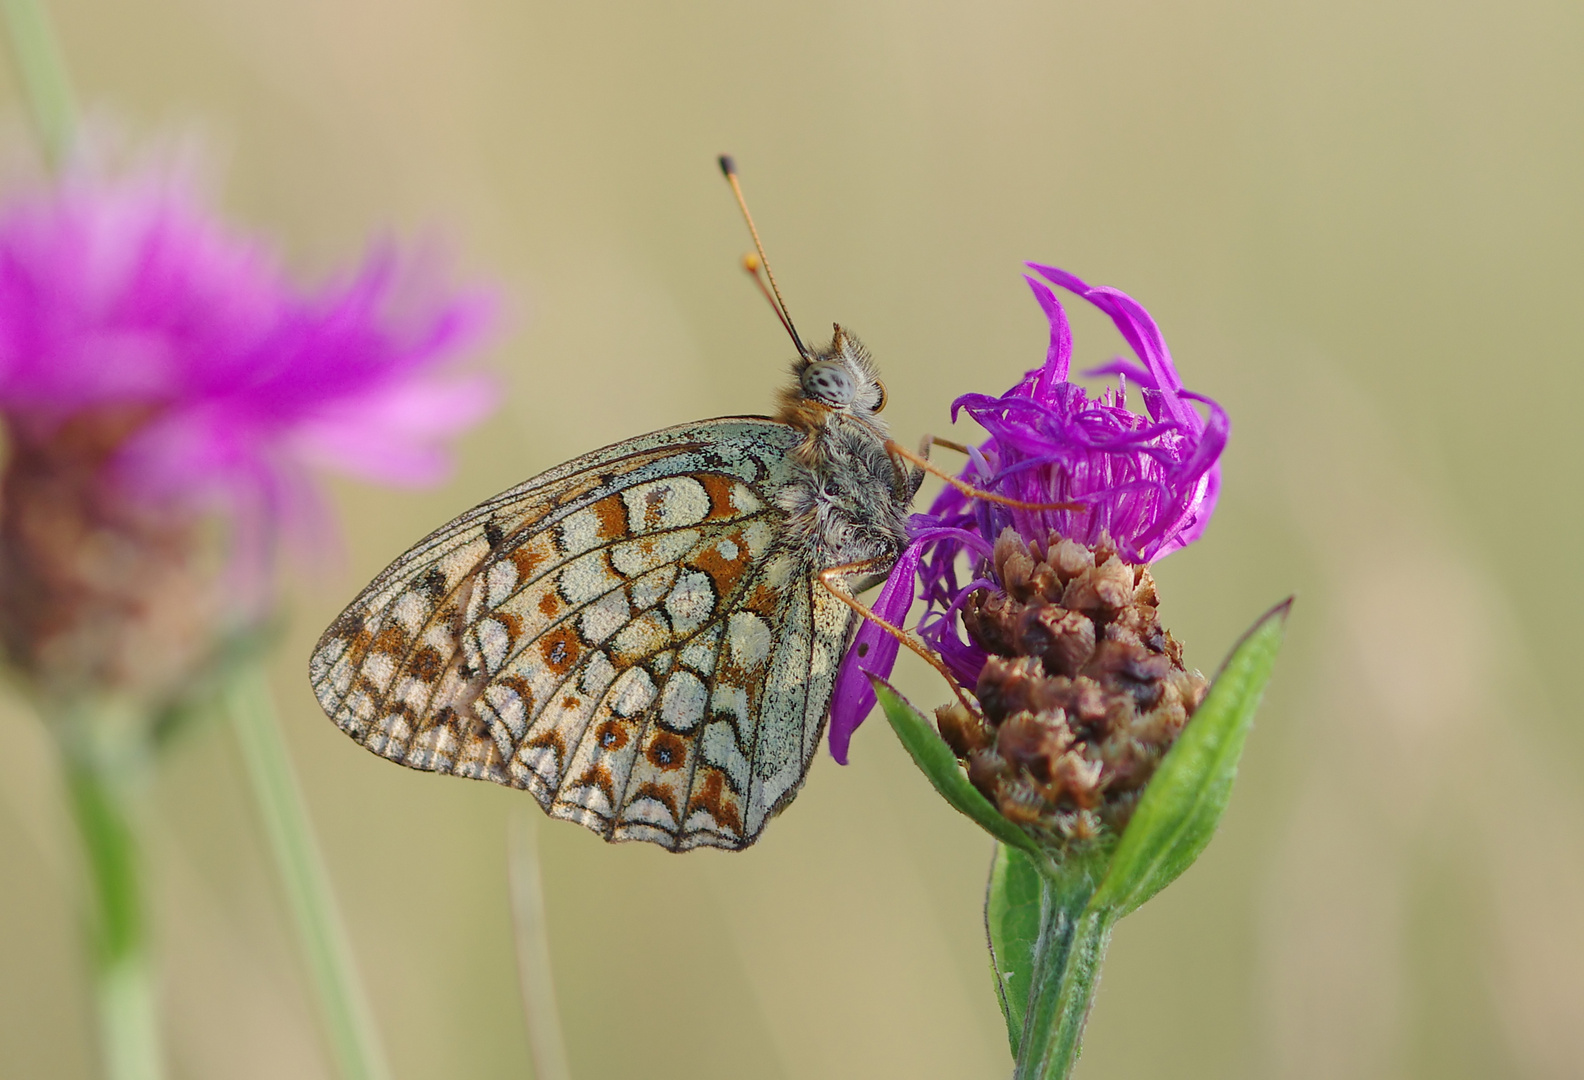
(1359, 225)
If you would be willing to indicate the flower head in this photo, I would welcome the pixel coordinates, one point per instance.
(1148, 485)
(159, 372)
(1081, 693)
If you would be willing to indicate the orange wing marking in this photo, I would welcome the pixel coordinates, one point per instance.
(711, 798)
(725, 561)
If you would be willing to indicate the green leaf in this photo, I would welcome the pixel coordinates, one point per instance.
(1184, 800)
(1012, 923)
(935, 759)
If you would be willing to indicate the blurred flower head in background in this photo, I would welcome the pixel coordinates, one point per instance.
(1080, 688)
(165, 389)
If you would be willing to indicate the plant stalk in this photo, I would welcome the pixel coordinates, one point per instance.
(545, 1042)
(42, 73)
(1067, 956)
(344, 1009)
(128, 1016)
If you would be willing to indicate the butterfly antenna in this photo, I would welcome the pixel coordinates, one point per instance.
(751, 264)
(729, 169)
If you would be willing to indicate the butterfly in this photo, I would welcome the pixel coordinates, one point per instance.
(639, 637)
(646, 637)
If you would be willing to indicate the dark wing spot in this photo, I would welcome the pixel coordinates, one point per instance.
(493, 535)
(347, 626)
(667, 751)
(560, 649)
(433, 583)
(427, 663)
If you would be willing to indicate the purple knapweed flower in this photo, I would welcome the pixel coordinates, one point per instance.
(1148, 485)
(160, 373)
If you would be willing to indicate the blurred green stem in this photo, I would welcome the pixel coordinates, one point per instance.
(344, 1007)
(1067, 956)
(42, 74)
(98, 782)
(540, 1014)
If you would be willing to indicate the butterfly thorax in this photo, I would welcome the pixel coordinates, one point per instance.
(847, 498)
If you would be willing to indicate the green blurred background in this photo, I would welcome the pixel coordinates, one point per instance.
(1359, 225)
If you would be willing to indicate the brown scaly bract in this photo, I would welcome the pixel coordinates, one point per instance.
(1083, 693)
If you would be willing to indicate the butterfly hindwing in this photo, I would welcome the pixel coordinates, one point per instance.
(739, 711)
(623, 636)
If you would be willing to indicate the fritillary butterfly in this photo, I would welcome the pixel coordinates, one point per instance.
(640, 637)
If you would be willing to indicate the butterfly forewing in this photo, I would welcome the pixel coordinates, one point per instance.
(623, 636)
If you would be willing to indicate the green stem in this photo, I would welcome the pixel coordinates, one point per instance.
(1067, 956)
(545, 1043)
(348, 1021)
(128, 1017)
(42, 73)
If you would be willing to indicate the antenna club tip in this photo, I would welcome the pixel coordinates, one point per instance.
(728, 167)
(750, 263)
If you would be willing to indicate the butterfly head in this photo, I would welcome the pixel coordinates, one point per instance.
(841, 379)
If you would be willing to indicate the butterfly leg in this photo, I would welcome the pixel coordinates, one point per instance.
(834, 579)
(909, 477)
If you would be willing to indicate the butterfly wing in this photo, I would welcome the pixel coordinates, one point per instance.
(628, 636)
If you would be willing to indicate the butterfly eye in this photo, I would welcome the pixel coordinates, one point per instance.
(881, 404)
(828, 383)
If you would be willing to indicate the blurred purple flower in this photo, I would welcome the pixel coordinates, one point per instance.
(128, 295)
(156, 369)
(1149, 482)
